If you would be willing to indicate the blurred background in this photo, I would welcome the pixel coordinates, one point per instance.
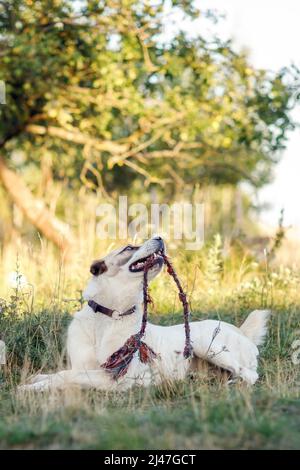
(162, 101)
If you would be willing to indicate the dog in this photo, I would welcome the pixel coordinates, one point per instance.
(114, 313)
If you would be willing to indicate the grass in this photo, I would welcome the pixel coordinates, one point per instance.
(199, 413)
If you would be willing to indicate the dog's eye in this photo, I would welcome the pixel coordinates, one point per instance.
(129, 248)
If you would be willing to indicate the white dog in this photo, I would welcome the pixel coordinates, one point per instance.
(114, 313)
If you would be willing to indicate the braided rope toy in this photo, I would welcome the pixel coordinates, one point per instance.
(118, 363)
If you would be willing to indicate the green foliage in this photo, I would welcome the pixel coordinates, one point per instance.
(94, 89)
(214, 261)
(38, 338)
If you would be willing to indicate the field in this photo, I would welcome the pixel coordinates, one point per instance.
(201, 413)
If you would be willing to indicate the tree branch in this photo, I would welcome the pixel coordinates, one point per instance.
(77, 138)
(34, 209)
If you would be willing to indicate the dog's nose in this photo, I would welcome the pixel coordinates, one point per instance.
(98, 267)
(157, 237)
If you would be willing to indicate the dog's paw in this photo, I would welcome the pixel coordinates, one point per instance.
(40, 386)
(248, 375)
(38, 378)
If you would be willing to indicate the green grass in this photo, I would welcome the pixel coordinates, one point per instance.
(198, 417)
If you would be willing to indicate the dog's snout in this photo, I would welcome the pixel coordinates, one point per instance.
(161, 242)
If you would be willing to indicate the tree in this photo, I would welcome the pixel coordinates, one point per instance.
(94, 85)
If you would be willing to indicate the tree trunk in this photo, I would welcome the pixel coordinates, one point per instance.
(34, 209)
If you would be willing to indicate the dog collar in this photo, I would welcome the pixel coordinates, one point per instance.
(108, 311)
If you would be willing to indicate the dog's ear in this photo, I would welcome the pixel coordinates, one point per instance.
(98, 267)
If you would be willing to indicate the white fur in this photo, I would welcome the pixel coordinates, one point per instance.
(93, 337)
(255, 326)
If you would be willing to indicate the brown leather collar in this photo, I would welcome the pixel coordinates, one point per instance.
(108, 311)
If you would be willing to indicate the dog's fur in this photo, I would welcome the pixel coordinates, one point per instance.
(93, 337)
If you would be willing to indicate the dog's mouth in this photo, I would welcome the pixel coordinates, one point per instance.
(151, 261)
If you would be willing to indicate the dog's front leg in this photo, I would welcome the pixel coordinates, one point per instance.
(97, 379)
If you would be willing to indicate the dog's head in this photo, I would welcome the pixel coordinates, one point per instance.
(117, 277)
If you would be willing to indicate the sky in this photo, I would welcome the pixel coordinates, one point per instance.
(270, 31)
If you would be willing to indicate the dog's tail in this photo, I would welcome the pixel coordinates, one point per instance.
(255, 326)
